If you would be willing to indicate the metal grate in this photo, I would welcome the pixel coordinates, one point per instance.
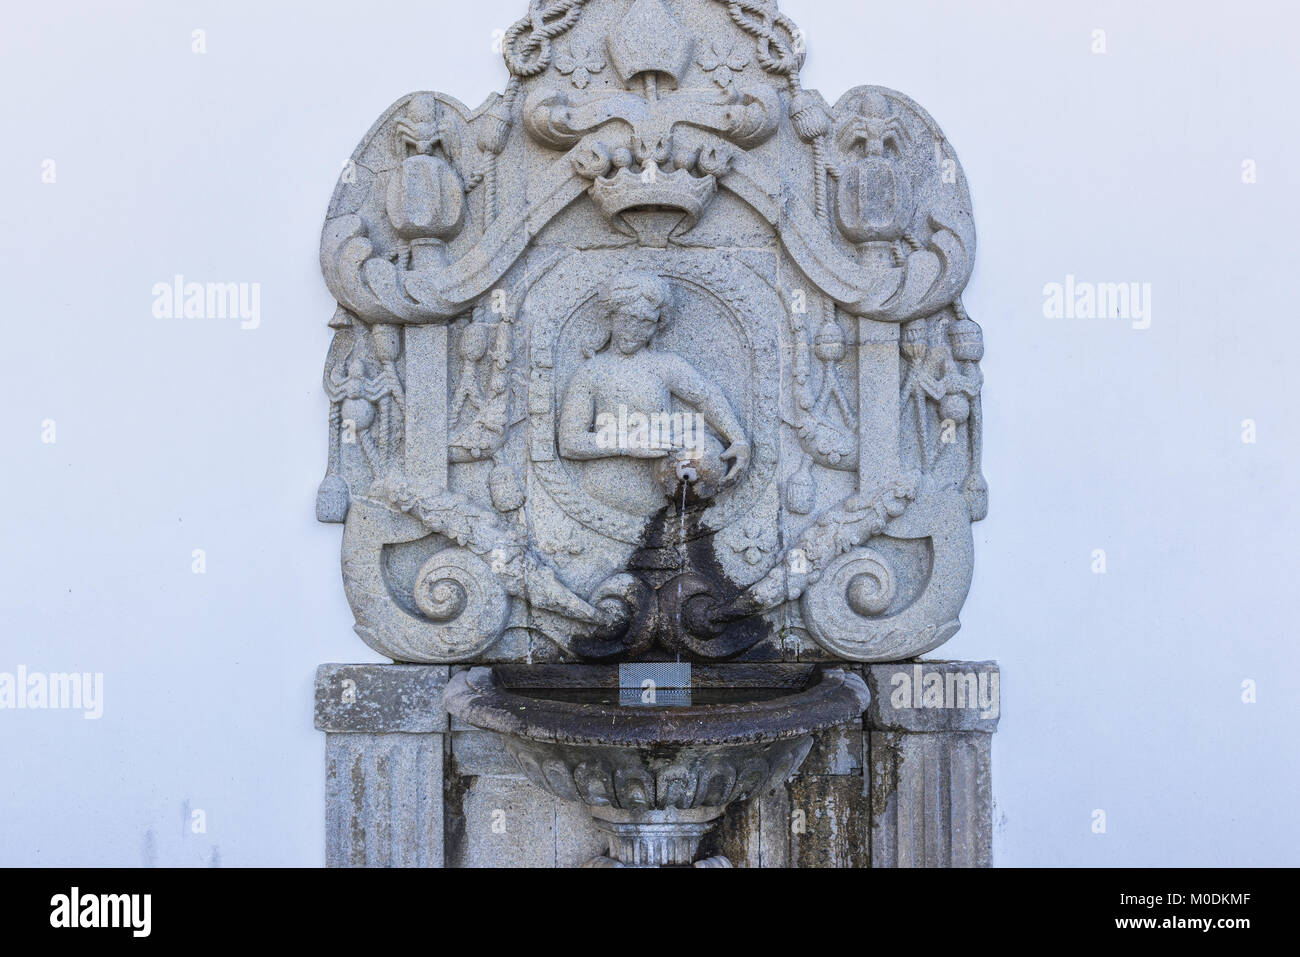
(662, 683)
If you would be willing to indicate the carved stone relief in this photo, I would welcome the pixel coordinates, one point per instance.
(654, 355)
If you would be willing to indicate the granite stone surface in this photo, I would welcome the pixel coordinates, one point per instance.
(655, 353)
(381, 700)
(655, 356)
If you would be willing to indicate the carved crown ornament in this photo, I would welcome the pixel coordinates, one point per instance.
(654, 355)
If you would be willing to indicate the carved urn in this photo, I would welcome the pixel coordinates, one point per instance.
(426, 197)
(874, 202)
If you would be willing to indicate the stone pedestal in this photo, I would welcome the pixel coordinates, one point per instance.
(385, 731)
(929, 732)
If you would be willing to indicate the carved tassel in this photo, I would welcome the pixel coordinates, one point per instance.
(801, 490)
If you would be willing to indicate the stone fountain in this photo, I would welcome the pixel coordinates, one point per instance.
(655, 363)
(655, 779)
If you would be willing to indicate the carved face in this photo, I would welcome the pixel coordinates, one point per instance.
(915, 340)
(877, 130)
(634, 307)
(635, 324)
(967, 341)
(420, 130)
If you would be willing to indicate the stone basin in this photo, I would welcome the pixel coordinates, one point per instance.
(655, 779)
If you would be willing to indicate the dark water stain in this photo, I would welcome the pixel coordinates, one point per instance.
(454, 788)
(684, 607)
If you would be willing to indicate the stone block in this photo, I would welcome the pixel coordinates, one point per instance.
(481, 753)
(506, 823)
(933, 696)
(837, 750)
(577, 839)
(754, 834)
(380, 699)
(830, 821)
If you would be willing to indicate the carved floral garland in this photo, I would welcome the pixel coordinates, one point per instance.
(505, 548)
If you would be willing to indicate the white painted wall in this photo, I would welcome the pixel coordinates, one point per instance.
(1121, 691)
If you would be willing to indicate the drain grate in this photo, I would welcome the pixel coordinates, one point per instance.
(663, 684)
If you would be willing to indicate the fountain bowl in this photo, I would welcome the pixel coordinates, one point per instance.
(655, 779)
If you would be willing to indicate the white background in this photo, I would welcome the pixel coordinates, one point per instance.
(1121, 691)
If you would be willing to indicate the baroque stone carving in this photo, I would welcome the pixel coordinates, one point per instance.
(655, 354)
